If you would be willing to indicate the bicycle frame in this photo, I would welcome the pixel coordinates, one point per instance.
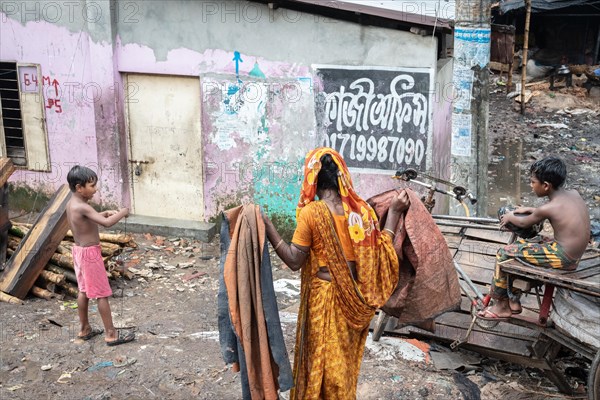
(458, 192)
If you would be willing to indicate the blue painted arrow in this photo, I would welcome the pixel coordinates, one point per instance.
(238, 59)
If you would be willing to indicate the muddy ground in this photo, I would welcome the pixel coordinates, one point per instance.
(564, 122)
(176, 354)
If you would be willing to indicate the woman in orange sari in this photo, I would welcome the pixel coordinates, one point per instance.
(349, 269)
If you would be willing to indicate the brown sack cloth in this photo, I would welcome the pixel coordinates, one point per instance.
(242, 279)
(428, 284)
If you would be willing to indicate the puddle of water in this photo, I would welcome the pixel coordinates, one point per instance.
(508, 176)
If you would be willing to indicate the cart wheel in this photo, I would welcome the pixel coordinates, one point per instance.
(380, 323)
(593, 385)
(482, 323)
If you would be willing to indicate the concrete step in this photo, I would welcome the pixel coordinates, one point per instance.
(168, 227)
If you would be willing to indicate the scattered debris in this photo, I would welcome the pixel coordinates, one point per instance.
(123, 361)
(100, 365)
(189, 277)
(454, 360)
(288, 287)
(389, 349)
(64, 377)
(211, 335)
(556, 126)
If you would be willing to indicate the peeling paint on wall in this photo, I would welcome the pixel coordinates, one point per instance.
(256, 136)
(241, 117)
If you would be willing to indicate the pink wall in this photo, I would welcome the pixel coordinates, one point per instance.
(70, 59)
(85, 124)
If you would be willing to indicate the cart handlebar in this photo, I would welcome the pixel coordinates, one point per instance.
(458, 192)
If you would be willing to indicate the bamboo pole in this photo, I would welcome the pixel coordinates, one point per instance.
(109, 249)
(51, 287)
(13, 242)
(122, 239)
(525, 51)
(68, 274)
(7, 298)
(63, 260)
(116, 238)
(4, 221)
(18, 230)
(41, 293)
(597, 49)
(52, 277)
(511, 65)
(69, 289)
(110, 244)
(65, 247)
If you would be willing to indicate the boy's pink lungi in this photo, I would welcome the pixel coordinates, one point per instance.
(90, 271)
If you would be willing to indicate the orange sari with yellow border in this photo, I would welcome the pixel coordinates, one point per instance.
(334, 317)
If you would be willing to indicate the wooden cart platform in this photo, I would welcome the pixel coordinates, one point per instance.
(585, 279)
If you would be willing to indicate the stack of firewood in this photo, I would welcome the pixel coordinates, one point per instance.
(58, 277)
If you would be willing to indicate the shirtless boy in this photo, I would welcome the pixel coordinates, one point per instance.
(567, 213)
(87, 257)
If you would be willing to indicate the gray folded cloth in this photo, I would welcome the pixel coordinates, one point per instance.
(525, 233)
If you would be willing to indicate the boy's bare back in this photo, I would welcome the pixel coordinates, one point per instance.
(569, 217)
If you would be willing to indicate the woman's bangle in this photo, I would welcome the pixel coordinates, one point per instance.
(279, 244)
(391, 232)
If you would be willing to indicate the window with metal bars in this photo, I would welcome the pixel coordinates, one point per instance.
(11, 124)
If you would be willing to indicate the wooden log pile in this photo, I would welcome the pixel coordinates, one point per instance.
(39, 258)
(58, 278)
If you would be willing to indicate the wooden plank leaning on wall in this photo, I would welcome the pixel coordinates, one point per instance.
(37, 247)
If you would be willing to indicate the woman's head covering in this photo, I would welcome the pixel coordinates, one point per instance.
(362, 220)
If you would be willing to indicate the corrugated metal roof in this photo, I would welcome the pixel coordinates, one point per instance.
(543, 5)
(424, 12)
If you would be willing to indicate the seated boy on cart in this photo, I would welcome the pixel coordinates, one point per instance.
(567, 213)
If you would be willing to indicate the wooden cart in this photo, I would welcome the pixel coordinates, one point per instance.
(529, 339)
(586, 280)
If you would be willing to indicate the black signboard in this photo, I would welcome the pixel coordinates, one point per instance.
(378, 119)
